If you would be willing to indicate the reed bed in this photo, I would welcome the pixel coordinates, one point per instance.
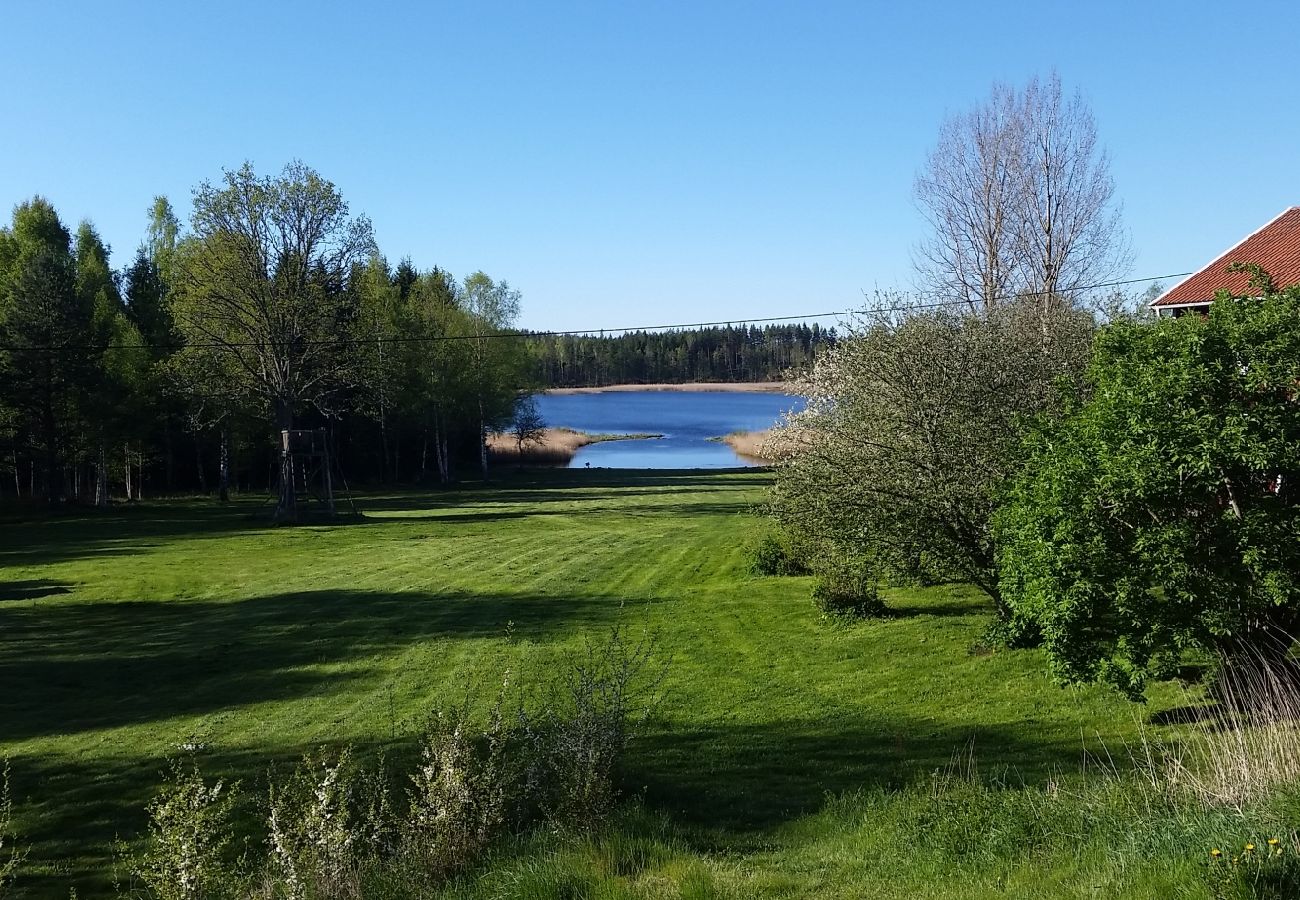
(556, 447)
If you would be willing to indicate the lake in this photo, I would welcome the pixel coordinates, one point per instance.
(685, 419)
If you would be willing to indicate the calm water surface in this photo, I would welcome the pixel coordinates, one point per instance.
(686, 421)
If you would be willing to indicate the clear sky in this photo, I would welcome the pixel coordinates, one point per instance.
(626, 163)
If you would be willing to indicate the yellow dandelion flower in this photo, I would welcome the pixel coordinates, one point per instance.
(1250, 848)
(1272, 842)
(1216, 852)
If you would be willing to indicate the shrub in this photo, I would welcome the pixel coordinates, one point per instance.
(189, 854)
(460, 794)
(580, 739)
(312, 831)
(846, 591)
(1160, 513)
(775, 554)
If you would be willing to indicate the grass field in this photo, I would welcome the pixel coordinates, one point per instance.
(770, 766)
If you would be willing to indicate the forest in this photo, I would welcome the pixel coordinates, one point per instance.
(274, 310)
(731, 353)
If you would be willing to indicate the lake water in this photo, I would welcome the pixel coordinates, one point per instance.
(685, 419)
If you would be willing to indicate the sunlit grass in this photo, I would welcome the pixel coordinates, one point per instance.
(124, 634)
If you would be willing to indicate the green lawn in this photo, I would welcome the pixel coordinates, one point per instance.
(124, 634)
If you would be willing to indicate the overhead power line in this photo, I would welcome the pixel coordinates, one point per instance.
(428, 339)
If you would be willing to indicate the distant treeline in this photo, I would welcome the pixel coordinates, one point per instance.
(676, 357)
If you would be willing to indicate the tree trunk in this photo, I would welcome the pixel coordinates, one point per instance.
(440, 448)
(223, 467)
(169, 456)
(383, 446)
(482, 440)
(286, 508)
(424, 454)
(126, 469)
(53, 468)
(101, 477)
(198, 462)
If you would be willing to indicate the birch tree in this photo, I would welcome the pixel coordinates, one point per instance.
(493, 307)
(1020, 201)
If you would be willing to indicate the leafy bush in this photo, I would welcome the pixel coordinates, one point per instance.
(775, 554)
(579, 741)
(190, 852)
(1160, 514)
(848, 591)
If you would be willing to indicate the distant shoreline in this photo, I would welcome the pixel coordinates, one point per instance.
(555, 446)
(738, 387)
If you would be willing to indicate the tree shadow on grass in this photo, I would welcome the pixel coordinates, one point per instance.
(90, 534)
(70, 667)
(580, 496)
(31, 589)
(746, 778)
(726, 784)
(40, 537)
(938, 610)
(73, 812)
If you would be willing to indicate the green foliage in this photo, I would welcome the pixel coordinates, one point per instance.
(57, 309)
(848, 589)
(1162, 513)
(775, 554)
(911, 430)
(261, 285)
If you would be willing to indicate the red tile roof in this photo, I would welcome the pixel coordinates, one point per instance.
(1275, 247)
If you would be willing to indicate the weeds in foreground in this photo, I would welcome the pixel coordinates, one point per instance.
(1247, 745)
(1269, 870)
(11, 855)
(191, 850)
(334, 830)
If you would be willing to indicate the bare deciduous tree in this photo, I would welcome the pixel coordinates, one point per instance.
(1069, 223)
(1020, 200)
(969, 193)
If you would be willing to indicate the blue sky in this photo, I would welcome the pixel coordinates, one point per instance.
(636, 163)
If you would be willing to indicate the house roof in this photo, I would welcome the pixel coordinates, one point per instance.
(1275, 248)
